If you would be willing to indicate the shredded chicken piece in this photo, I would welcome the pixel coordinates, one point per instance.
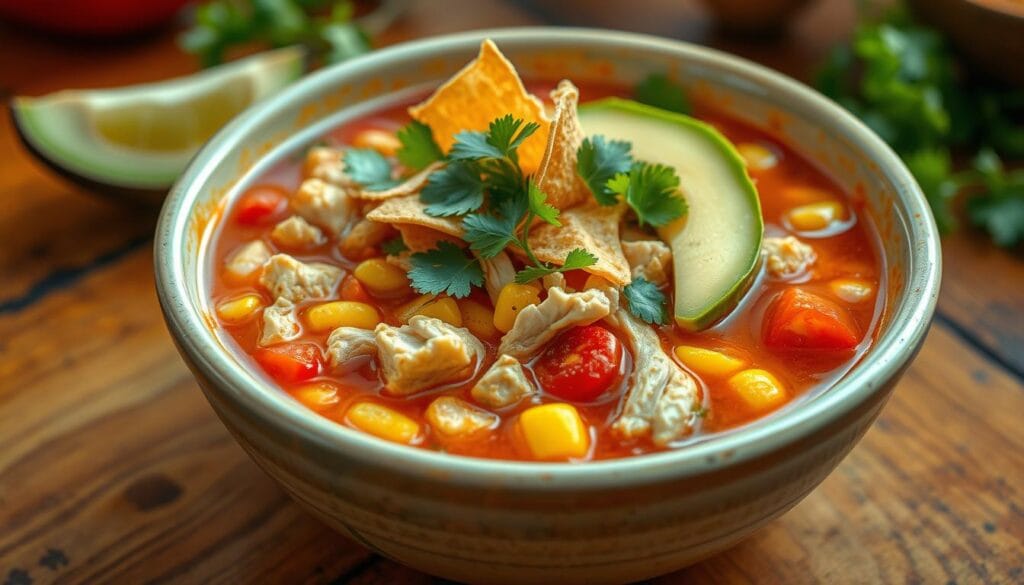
(325, 205)
(325, 163)
(279, 323)
(787, 257)
(364, 234)
(537, 324)
(247, 260)
(425, 353)
(649, 259)
(498, 271)
(286, 277)
(555, 280)
(454, 418)
(504, 384)
(296, 233)
(347, 345)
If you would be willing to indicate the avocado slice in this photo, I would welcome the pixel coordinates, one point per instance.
(716, 248)
(136, 140)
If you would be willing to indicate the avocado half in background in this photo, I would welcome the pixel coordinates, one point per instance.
(133, 142)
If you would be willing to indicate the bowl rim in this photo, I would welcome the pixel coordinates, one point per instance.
(893, 349)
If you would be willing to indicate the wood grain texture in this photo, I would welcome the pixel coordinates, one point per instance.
(113, 469)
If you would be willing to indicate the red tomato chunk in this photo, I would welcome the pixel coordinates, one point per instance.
(290, 362)
(261, 204)
(802, 320)
(580, 364)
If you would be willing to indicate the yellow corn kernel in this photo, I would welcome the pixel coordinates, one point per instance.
(381, 278)
(444, 309)
(478, 318)
(595, 281)
(758, 389)
(708, 362)
(512, 299)
(383, 422)
(852, 290)
(330, 316)
(406, 311)
(382, 141)
(554, 431)
(239, 310)
(757, 156)
(816, 216)
(317, 396)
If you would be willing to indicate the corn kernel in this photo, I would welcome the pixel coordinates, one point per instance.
(758, 389)
(816, 216)
(382, 141)
(803, 194)
(478, 318)
(444, 309)
(453, 418)
(330, 316)
(757, 156)
(852, 290)
(381, 278)
(595, 281)
(707, 362)
(239, 310)
(512, 299)
(554, 431)
(383, 422)
(318, 396)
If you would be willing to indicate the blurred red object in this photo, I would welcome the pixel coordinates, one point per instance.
(90, 17)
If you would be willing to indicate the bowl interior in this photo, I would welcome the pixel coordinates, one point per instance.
(808, 123)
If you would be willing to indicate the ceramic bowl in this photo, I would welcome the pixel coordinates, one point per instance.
(489, 521)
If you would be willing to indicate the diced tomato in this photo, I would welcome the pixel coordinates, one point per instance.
(260, 204)
(353, 290)
(290, 362)
(576, 278)
(580, 364)
(802, 320)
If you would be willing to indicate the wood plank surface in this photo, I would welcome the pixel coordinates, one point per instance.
(113, 469)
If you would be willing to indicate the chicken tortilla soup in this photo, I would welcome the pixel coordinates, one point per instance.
(546, 272)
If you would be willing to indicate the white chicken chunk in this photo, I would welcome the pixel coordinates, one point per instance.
(787, 257)
(325, 163)
(425, 353)
(498, 271)
(348, 346)
(453, 418)
(649, 259)
(247, 260)
(662, 398)
(535, 325)
(296, 233)
(325, 205)
(555, 280)
(504, 384)
(279, 323)
(285, 277)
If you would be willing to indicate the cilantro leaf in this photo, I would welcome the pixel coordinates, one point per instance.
(471, 145)
(394, 246)
(999, 208)
(658, 91)
(931, 168)
(445, 269)
(574, 260)
(369, 168)
(488, 233)
(646, 301)
(651, 191)
(456, 189)
(502, 134)
(598, 160)
(539, 206)
(418, 148)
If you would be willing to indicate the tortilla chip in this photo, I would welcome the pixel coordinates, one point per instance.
(591, 227)
(407, 213)
(558, 177)
(485, 89)
(411, 185)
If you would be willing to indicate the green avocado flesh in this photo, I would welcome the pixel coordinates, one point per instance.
(716, 247)
(141, 137)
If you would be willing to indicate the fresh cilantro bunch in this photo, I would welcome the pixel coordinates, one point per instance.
(324, 26)
(904, 81)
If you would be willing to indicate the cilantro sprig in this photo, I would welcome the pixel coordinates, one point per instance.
(369, 168)
(418, 148)
(445, 269)
(646, 301)
(598, 160)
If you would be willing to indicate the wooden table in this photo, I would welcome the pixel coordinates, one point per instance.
(114, 469)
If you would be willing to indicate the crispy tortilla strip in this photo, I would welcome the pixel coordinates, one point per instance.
(419, 231)
(557, 176)
(411, 185)
(420, 239)
(591, 227)
(485, 89)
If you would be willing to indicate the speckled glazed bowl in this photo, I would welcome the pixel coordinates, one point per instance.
(489, 521)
